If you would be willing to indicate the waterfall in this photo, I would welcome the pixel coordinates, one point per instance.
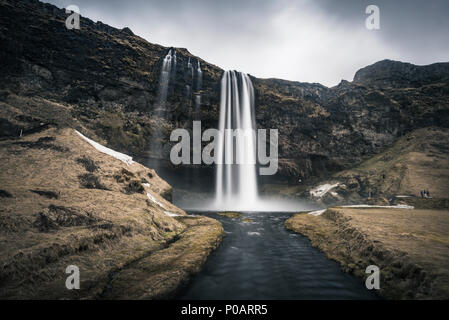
(173, 68)
(174, 60)
(236, 180)
(197, 101)
(199, 84)
(164, 80)
(190, 68)
(199, 80)
(188, 78)
(168, 72)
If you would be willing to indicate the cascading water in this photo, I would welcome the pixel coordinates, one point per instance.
(236, 180)
(168, 73)
(199, 81)
(164, 81)
(199, 84)
(190, 69)
(173, 68)
(188, 76)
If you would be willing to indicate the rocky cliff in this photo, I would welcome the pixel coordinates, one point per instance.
(107, 80)
(416, 161)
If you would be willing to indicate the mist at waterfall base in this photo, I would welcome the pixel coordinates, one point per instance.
(262, 204)
(236, 186)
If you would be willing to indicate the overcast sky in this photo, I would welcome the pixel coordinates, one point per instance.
(321, 41)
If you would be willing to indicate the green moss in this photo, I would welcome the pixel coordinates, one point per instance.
(232, 215)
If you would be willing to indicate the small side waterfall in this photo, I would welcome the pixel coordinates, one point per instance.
(168, 73)
(199, 85)
(236, 180)
(173, 68)
(199, 80)
(164, 80)
(190, 69)
(188, 78)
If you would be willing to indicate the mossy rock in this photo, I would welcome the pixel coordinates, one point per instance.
(232, 215)
(134, 186)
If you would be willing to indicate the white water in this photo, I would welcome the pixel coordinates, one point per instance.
(199, 85)
(199, 80)
(190, 68)
(168, 73)
(236, 180)
(197, 101)
(164, 80)
(189, 79)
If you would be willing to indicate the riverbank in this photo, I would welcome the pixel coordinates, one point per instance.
(260, 259)
(67, 201)
(162, 273)
(411, 247)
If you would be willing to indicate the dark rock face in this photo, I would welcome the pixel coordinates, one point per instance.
(107, 80)
(394, 74)
(323, 130)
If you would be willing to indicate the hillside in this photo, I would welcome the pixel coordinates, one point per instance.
(394, 74)
(106, 80)
(409, 246)
(417, 161)
(63, 202)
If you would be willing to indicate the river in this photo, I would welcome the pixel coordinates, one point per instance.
(263, 260)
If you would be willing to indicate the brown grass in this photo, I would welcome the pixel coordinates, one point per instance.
(417, 161)
(411, 247)
(100, 230)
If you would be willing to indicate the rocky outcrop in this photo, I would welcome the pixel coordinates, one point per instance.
(394, 74)
(340, 127)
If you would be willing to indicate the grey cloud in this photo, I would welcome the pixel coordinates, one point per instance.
(315, 41)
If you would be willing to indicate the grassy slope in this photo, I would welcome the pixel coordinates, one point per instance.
(57, 210)
(411, 247)
(417, 161)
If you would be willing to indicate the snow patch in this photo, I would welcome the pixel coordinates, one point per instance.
(146, 184)
(153, 199)
(120, 156)
(168, 213)
(321, 190)
(317, 213)
(171, 214)
(399, 206)
(254, 233)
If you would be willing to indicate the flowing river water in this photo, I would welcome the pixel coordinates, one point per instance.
(263, 260)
